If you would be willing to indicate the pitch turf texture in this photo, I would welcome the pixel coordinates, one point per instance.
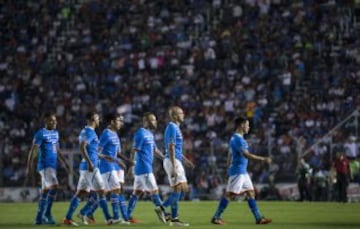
(289, 215)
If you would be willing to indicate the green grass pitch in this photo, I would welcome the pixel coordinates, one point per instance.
(287, 215)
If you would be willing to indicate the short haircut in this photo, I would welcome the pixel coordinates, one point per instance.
(240, 120)
(48, 115)
(147, 114)
(172, 110)
(110, 117)
(90, 115)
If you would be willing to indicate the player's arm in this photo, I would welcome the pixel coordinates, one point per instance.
(103, 156)
(63, 160)
(187, 162)
(158, 153)
(251, 156)
(132, 158)
(85, 155)
(125, 158)
(228, 160)
(30, 160)
(172, 158)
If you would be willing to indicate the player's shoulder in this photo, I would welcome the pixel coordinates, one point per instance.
(40, 131)
(172, 125)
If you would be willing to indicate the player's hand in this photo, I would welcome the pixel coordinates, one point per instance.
(173, 174)
(268, 160)
(91, 167)
(189, 164)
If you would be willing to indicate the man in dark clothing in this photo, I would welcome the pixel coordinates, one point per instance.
(342, 168)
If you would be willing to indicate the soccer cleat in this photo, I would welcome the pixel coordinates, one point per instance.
(161, 214)
(70, 222)
(83, 219)
(217, 221)
(133, 220)
(120, 221)
(263, 220)
(109, 221)
(179, 223)
(48, 220)
(167, 216)
(37, 222)
(91, 219)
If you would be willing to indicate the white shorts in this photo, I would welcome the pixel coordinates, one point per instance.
(48, 178)
(179, 169)
(111, 180)
(90, 181)
(121, 176)
(145, 183)
(240, 183)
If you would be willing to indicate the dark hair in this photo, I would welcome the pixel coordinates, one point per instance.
(48, 115)
(110, 117)
(90, 115)
(240, 120)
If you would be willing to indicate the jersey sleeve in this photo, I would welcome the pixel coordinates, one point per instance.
(38, 138)
(138, 140)
(85, 136)
(171, 134)
(103, 140)
(243, 145)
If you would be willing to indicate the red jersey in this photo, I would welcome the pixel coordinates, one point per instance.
(341, 165)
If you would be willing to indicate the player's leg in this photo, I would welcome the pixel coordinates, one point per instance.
(137, 191)
(90, 207)
(49, 187)
(148, 183)
(83, 189)
(41, 207)
(232, 188)
(121, 197)
(250, 193)
(179, 184)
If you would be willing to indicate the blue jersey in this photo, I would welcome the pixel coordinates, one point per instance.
(239, 162)
(89, 136)
(48, 142)
(173, 136)
(145, 145)
(110, 145)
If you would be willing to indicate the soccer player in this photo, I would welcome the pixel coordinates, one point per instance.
(46, 141)
(90, 177)
(239, 180)
(144, 147)
(173, 163)
(108, 151)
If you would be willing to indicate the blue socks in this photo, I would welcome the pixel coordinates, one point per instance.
(104, 207)
(174, 199)
(254, 208)
(114, 199)
(74, 203)
(156, 199)
(41, 207)
(223, 203)
(131, 205)
(123, 207)
(50, 199)
(91, 201)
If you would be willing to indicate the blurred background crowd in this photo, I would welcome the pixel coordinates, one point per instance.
(292, 67)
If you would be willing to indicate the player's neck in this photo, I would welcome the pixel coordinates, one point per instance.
(92, 126)
(176, 122)
(112, 128)
(240, 132)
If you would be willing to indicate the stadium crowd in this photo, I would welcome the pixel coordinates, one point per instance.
(291, 66)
